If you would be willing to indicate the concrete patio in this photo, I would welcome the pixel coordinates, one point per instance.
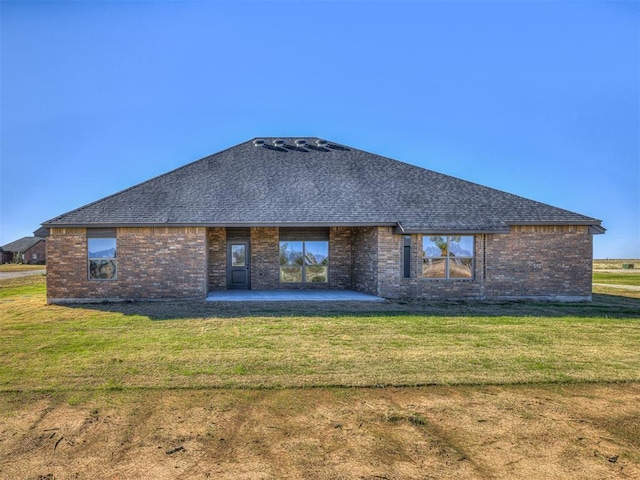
(291, 296)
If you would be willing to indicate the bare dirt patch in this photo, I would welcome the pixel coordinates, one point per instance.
(585, 431)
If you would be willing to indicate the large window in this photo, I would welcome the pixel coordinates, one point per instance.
(102, 258)
(447, 256)
(304, 261)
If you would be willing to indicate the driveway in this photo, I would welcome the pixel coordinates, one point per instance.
(5, 275)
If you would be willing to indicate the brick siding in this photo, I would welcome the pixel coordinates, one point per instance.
(365, 260)
(530, 261)
(545, 262)
(217, 259)
(394, 285)
(340, 257)
(540, 261)
(265, 259)
(40, 252)
(153, 263)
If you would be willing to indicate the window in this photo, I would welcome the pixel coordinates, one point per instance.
(304, 261)
(238, 255)
(406, 256)
(102, 258)
(447, 256)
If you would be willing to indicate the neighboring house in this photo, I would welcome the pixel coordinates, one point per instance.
(30, 250)
(306, 213)
(41, 232)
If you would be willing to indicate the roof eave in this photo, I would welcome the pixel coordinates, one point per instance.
(399, 230)
(219, 224)
(594, 225)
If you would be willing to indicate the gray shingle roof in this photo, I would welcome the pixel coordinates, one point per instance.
(313, 185)
(41, 232)
(22, 245)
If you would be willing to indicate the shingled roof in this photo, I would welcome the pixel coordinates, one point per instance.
(22, 245)
(307, 182)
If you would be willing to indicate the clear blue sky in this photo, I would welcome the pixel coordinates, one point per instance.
(541, 99)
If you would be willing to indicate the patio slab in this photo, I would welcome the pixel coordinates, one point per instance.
(291, 296)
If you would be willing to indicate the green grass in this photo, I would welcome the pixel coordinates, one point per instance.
(31, 285)
(199, 345)
(615, 278)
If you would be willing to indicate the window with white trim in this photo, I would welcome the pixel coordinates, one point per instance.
(448, 257)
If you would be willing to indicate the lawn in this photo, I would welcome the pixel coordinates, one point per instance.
(624, 277)
(171, 390)
(198, 345)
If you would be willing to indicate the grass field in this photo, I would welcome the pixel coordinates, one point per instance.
(199, 345)
(472, 390)
(615, 264)
(614, 278)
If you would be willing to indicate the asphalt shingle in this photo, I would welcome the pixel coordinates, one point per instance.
(313, 185)
(22, 245)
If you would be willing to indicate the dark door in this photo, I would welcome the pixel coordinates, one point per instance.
(238, 269)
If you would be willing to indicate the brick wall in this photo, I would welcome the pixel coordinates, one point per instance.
(217, 259)
(67, 268)
(543, 262)
(152, 263)
(40, 252)
(530, 261)
(540, 261)
(265, 266)
(365, 260)
(340, 257)
(265, 259)
(389, 251)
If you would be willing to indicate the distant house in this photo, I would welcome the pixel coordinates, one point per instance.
(30, 250)
(310, 214)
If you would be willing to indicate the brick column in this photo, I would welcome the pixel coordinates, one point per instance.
(217, 261)
(265, 261)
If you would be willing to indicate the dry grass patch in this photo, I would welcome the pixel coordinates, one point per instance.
(13, 267)
(569, 432)
(614, 264)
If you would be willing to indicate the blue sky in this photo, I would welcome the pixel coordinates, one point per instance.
(538, 98)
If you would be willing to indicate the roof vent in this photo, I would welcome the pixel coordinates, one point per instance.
(321, 143)
(278, 143)
(301, 142)
(258, 143)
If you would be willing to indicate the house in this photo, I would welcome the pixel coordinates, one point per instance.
(30, 250)
(304, 213)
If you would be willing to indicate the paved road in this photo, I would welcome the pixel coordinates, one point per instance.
(5, 275)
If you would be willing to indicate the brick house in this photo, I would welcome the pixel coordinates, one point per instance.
(31, 250)
(309, 214)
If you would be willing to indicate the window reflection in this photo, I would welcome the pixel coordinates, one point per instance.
(447, 256)
(304, 261)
